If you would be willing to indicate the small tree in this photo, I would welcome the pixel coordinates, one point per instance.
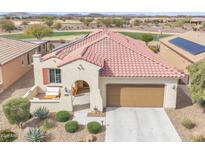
(106, 22)
(17, 110)
(86, 21)
(197, 77)
(38, 31)
(203, 24)
(57, 25)
(147, 38)
(118, 22)
(49, 22)
(7, 25)
(25, 23)
(137, 22)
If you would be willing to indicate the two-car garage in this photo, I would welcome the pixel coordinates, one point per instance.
(128, 95)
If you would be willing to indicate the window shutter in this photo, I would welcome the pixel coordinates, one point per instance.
(45, 76)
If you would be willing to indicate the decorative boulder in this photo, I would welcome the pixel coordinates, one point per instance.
(90, 138)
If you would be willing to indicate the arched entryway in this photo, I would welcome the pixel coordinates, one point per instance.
(80, 95)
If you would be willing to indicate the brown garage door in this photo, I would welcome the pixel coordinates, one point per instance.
(135, 95)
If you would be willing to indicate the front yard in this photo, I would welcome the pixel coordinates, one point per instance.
(56, 133)
(186, 110)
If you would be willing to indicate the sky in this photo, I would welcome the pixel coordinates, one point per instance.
(102, 6)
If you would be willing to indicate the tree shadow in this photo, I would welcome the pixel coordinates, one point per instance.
(183, 97)
(22, 85)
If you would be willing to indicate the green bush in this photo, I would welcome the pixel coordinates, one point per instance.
(197, 78)
(47, 124)
(198, 138)
(187, 123)
(201, 103)
(71, 126)
(94, 127)
(17, 110)
(7, 136)
(147, 38)
(62, 116)
(36, 135)
(41, 113)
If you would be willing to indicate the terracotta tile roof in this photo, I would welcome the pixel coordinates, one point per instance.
(117, 55)
(11, 49)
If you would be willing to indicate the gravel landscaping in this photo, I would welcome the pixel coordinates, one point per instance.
(185, 109)
(55, 134)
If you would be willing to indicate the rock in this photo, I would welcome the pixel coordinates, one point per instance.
(26, 130)
(89, 138)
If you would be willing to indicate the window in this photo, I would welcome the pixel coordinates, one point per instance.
(55, 75)
(29, 59)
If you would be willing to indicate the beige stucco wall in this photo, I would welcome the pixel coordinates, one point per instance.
(172, 58)
(90, 73)
(69, 74)
(15, 69)
(169, 94)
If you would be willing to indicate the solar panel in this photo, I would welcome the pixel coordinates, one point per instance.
(191, 47)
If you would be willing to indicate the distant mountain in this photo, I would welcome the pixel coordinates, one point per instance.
(18, 14)
(96, 14)
(73, 14)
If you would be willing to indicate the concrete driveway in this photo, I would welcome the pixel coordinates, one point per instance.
(139, 125)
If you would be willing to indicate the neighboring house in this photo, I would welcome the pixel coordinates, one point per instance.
(183, 50)
(117, 70)
(15, 60)
(42, 45)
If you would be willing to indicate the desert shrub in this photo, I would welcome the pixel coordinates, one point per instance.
(7, 25)
(51, 46)
(201, 103)
(154, 48)
(47, 124)
(57, 25)
(198, 138)
(94, 127)
(7, 136)
(187, 123)
(41, 113)
(147, 38)
(71, 126)
(17, 110)
(137, 22)
(36, 135)
(62, 116)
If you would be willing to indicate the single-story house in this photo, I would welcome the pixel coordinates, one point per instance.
(15, 60)
(183, 50)
(42, 45)
(117, 70)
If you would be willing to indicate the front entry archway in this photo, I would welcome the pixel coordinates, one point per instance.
(80, 95)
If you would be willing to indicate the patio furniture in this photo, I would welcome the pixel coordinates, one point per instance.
(52, 92)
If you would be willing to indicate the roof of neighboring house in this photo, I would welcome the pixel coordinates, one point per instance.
(37, 41)
(11, 49)
(195, 37)
(116, 54)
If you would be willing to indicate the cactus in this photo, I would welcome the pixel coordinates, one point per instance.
(41, 113)
(36, 135)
